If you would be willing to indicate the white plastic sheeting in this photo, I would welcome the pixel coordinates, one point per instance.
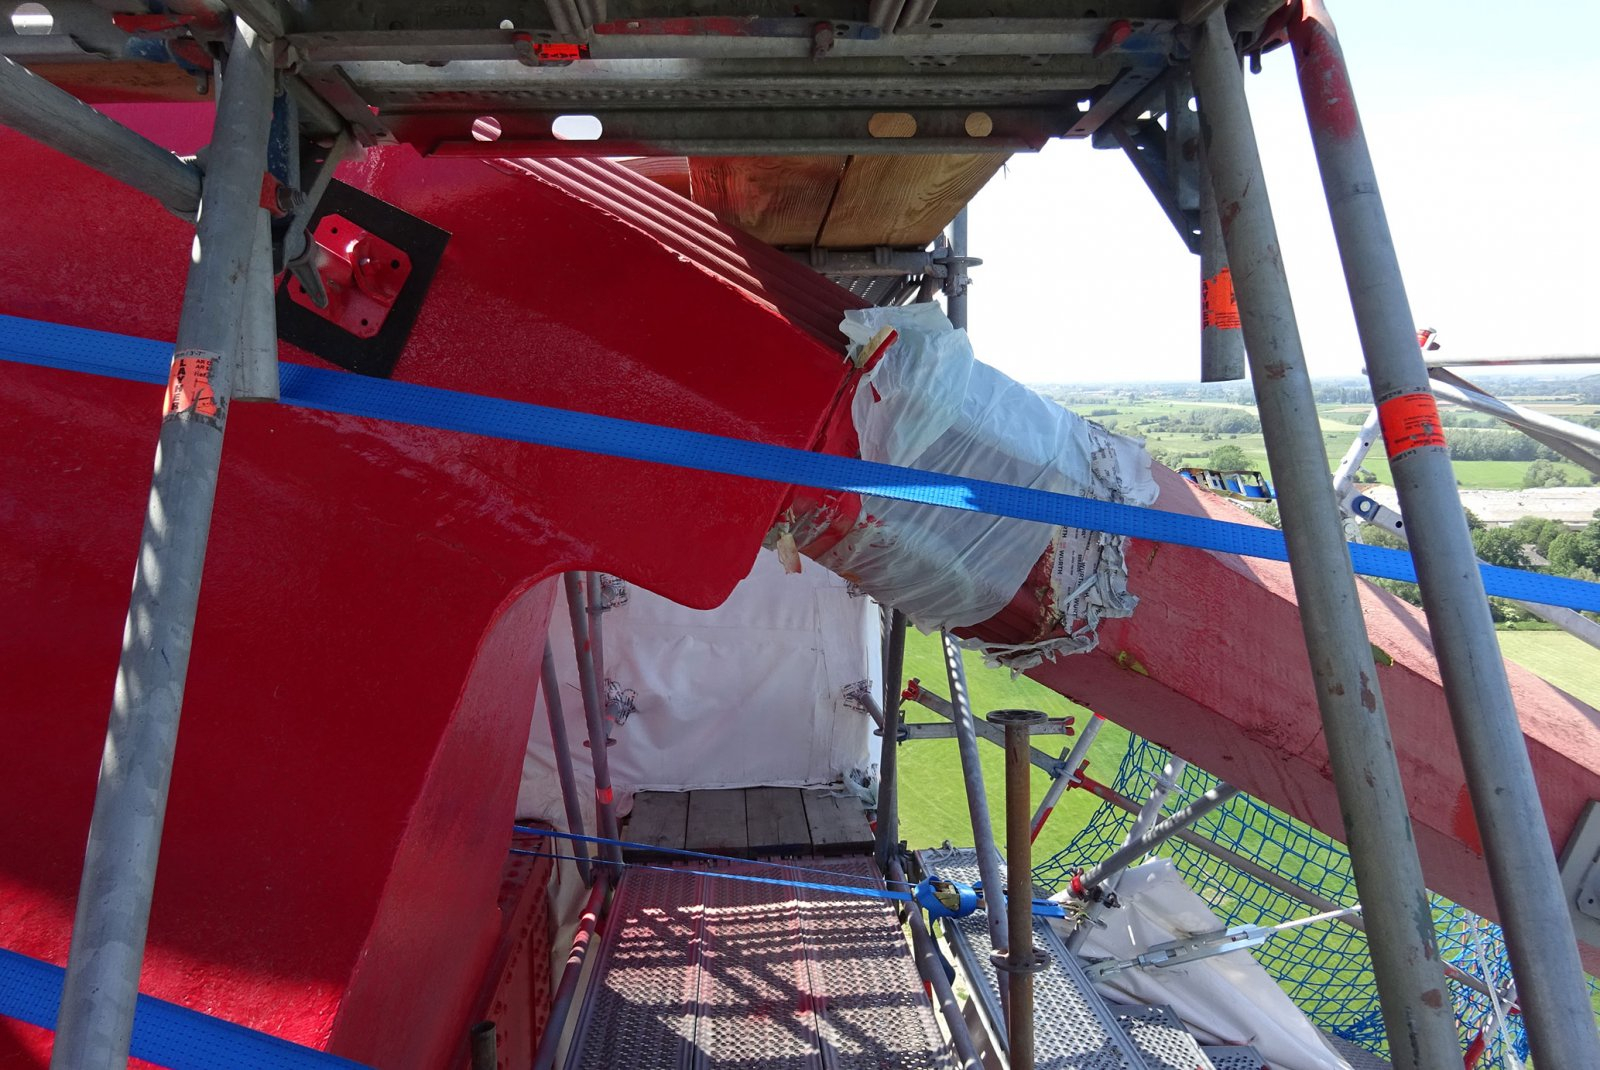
(930, 404)
(1225, 999)
(751, 693)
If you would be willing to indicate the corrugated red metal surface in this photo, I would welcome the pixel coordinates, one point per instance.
(804, 298)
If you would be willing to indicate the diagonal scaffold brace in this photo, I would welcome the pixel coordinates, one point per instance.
(95, 1024)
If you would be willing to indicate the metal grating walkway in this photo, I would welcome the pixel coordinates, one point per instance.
(698, 971)
(1075, 1030)
(1161, 1038)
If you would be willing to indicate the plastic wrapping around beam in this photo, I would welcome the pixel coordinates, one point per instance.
(929, 403)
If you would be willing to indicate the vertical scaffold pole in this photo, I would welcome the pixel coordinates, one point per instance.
(595, 599)
(888, 833)
(1411, 983)
(571, 801)
(1020, 961)
(1221, 341)
(605, 810)
(1522, 867)
(95, 1025)
(955, 294)
(966, 728)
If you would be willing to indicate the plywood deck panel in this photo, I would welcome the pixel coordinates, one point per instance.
(903, 200)
(717, 821)
(783, 200)
(659, 819)
(836, 822)
(775, 820)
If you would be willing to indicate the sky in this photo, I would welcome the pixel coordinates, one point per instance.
(1484, 129)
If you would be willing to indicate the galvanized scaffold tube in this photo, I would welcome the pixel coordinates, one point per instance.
(595, 606)
(977, 798)
(955, 300)
(605, 808)
(544, 1058)
(1411, 984)
(888, 831)
(1221, 341)
(931, 967)
(562, 747)
(1136, 847)
(1150, 812)
(52, 116)
(1020, 961)
(1066, 772)
(1505, 799)
(95, 1025)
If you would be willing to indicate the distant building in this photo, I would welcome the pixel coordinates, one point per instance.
(1573, 506)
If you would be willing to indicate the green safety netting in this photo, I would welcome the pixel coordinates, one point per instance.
(1324, 968)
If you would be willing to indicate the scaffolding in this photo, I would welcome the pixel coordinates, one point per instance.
(844, 81)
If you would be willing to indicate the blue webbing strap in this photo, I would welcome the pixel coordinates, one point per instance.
(163, 1033)
(1042, 908)
(142, 360)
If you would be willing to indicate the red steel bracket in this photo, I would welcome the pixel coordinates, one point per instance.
(360, 272)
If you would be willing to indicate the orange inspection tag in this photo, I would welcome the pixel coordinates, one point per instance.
(189, 388)
(1218, 308)
(1410, 421)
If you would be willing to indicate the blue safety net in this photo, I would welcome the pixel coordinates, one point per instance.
(1324, 968)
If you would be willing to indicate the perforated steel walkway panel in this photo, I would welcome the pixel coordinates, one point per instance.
(1159, 1035)
(1237, 1057)
(698, 971)
(1073, 1027)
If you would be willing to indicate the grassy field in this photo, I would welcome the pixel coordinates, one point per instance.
(933, 805)
(1339, 424)
(1566, 661)
(933, 801)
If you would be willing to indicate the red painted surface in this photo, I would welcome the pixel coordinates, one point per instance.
(1213, 666)
(516, 995)
(1324, 82)
(365, 656)
(361, 275)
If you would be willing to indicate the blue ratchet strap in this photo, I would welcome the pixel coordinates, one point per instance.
(163, 1033)
(1041, 907)
(52, 345)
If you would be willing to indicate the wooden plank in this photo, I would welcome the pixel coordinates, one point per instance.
(659, 819)
(775, 820)
(903, 200)
(717, 821)
(836, 822)
(782, 200)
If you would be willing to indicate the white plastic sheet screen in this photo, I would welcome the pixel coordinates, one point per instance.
(751, 693)
(1228, 999)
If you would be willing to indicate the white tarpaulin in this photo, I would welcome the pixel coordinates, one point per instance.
(751, 693)
(1225, 999)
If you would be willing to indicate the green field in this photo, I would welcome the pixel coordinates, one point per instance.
(933, 804)
(933, 801)
(1564, 660)
(1339, 424)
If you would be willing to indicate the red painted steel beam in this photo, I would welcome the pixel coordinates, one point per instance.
(376, 597)
(1212, 666)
